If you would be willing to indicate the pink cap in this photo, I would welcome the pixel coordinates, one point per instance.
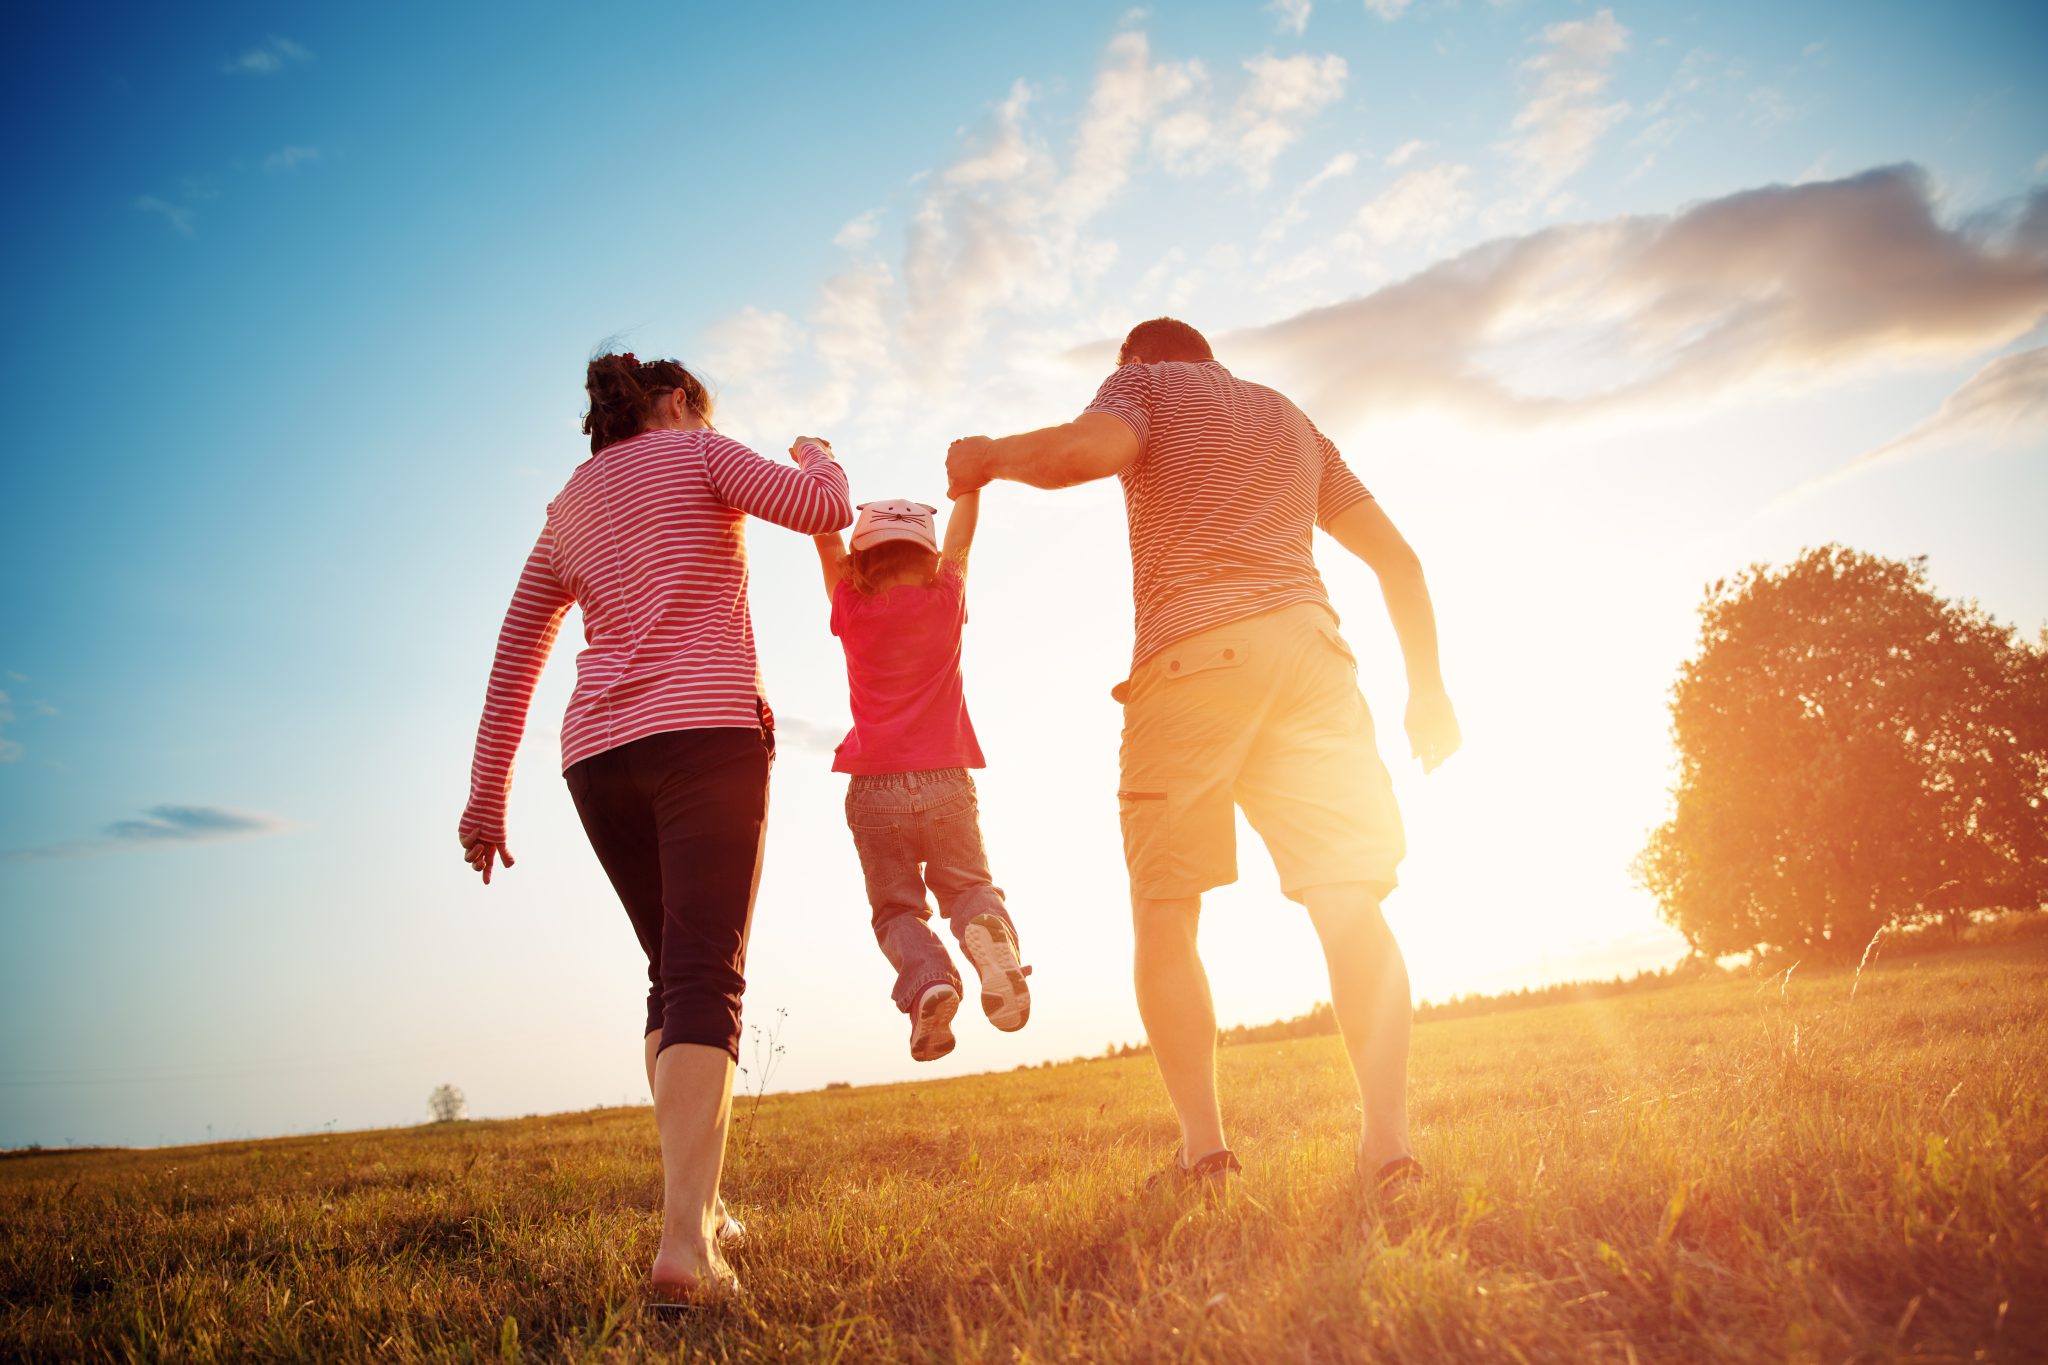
(881, 522)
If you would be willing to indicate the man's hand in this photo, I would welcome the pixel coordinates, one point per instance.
(1432, 728)
(796, 447)
(967, 465)
(479, 852)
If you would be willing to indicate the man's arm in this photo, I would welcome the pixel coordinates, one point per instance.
(1365, 530)
(832, 559)
(1093, 446)
(960, 528)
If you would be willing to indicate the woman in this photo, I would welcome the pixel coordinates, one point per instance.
(667, 742)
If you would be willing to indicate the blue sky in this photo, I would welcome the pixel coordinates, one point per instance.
(298, 303)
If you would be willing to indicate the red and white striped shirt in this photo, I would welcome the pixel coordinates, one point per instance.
(648, 537)
(1230, 481)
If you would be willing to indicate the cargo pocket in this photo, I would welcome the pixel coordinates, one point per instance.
(1147, 846)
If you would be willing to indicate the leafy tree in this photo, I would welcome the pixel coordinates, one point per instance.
(446, 1104)
(1854, 752)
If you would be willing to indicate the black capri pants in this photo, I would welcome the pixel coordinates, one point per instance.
(679, 820)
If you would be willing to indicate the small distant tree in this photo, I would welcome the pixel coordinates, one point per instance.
(446, 1104)
(1853, 752)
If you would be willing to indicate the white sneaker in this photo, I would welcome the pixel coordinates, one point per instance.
(931, 1022)
(1005, 999)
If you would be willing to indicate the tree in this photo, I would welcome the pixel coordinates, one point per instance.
(1854, 752)
(446, 1104)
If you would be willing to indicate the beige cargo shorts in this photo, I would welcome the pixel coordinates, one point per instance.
(1262, 713)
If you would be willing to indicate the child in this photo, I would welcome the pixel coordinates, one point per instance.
(898, 605)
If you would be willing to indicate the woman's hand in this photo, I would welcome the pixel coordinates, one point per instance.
(479, 852)
(796, 447)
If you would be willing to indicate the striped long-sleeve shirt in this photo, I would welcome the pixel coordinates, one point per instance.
(1230, 480)
(648, 537)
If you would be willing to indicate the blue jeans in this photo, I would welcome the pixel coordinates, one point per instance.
(915, 831)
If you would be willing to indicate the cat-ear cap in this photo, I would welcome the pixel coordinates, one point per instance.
(896, 519)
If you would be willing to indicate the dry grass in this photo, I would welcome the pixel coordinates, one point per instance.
(1713, 1172)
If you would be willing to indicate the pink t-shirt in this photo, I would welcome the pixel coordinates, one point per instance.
(903, 673)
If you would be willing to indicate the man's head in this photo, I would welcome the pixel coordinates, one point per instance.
(1163, 339)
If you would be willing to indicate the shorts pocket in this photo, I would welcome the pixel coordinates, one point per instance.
(1208, 656)
(1338, 643)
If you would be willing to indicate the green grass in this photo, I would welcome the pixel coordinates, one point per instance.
(1727, 1171)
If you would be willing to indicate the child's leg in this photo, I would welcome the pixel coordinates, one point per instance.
(885, 836)
(957, 868)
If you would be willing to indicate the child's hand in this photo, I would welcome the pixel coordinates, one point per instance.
(967, 465)
(796, 447)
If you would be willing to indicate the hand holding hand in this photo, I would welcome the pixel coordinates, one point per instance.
(1432, 728)
(967, 465)
(796, 447)
(479, 851)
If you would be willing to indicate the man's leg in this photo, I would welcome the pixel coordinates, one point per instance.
(1369, 992)
(1180, 1018)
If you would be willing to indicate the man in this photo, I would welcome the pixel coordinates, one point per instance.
(1242, 692)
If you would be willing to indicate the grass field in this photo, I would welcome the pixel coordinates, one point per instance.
(1740, 1170)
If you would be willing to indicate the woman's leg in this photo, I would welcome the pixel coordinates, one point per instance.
(721, 1216)
(692, 1110)
(710, 807)
(615, 811)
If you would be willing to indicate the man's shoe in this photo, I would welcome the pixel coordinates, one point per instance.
(931, 1022)
(1213, 1177)
(990, 946)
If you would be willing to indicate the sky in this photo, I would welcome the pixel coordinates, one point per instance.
(1603, 303)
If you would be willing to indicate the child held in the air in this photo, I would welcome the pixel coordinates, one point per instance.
(899, 602)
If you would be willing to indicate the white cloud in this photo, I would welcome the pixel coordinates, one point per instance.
(2041, 164)
(1651, 317)
(1005, 227)
(1280, 96)
(179, 218)
(10, 751)
(811, 735)
(1556, 131)
(1422, 204)
(289, 158)
(1296, 209)
(859, 232)
(162, 827)
(267, 58)
(1404, 153)
(1388, 9)
(2004, 403)
(1293, 15)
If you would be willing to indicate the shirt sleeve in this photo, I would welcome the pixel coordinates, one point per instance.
(809, 496)
(1339, 487)
(1127, 396)
(531, 623)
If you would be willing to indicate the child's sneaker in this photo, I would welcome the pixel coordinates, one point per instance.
(1005, 999)
(931, 1022)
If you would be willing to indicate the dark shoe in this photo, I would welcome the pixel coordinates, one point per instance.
(1397, 1177)
(1214, 1176)
(931, 1022)
(991, 947)
(670, 1300)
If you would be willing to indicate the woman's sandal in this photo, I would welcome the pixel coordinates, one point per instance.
(672, 1301)
(1397, 1177)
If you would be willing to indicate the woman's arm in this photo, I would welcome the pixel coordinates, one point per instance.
(538, 605)
(810, 498)
(832, 559)
(960, 527)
